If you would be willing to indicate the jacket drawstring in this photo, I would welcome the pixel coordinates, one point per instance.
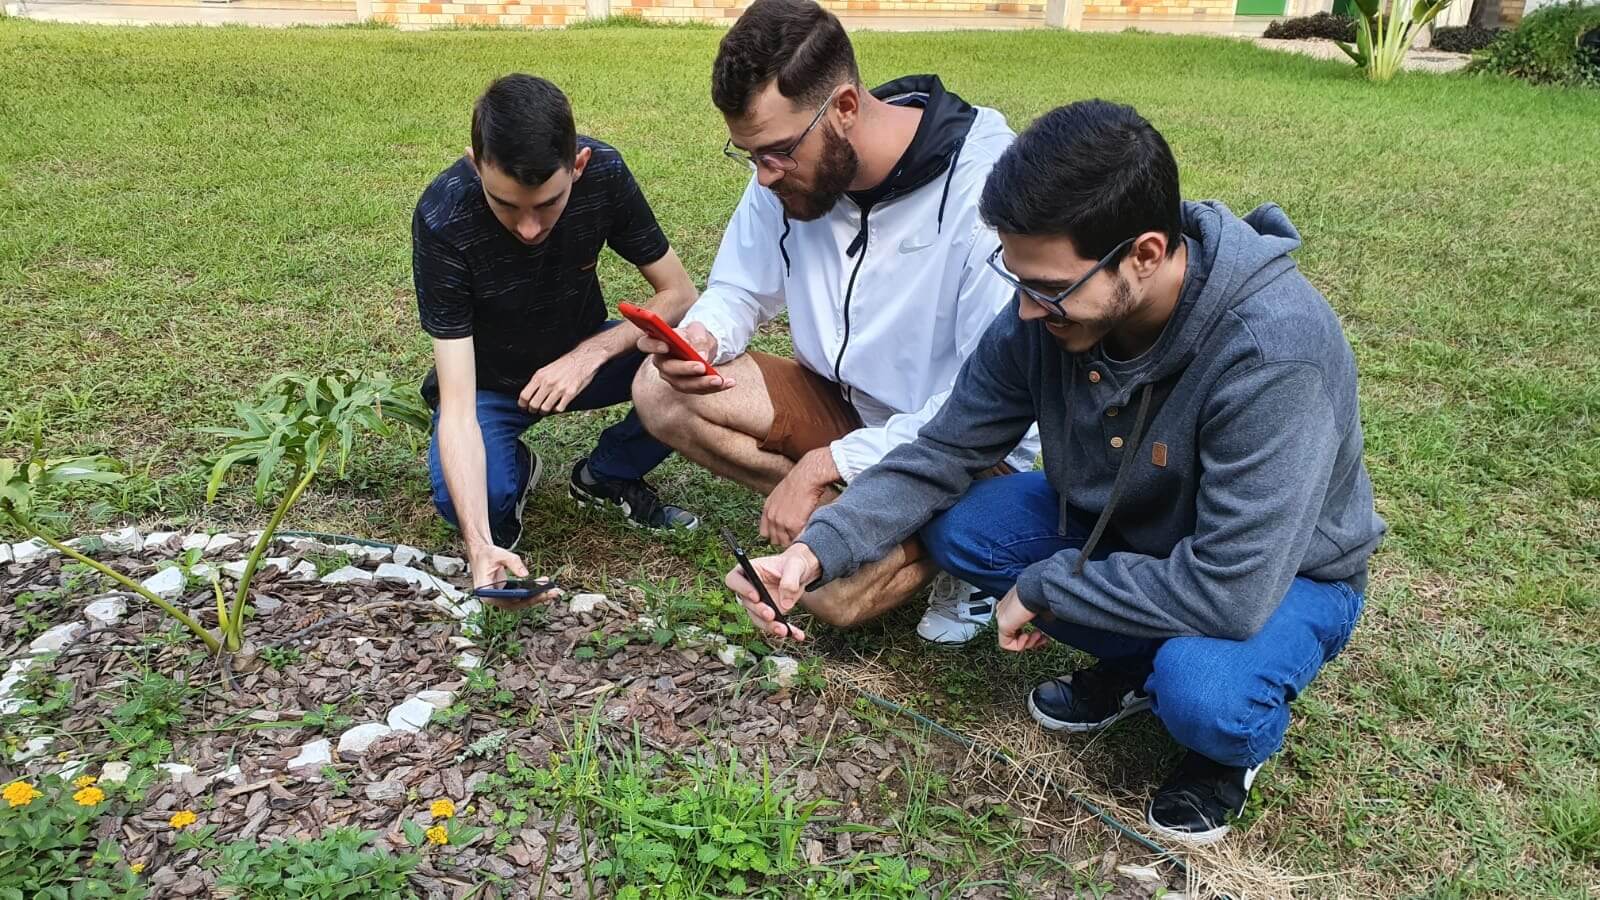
(1128, 454)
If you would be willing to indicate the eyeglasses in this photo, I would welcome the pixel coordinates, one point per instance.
(1052, 304)
(782, 160)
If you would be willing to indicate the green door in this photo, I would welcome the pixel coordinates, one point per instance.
(1261, 7)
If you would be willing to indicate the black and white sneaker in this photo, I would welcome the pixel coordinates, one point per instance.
(1198, 799)
(638, 500)
(507, 535)
(1093, 698)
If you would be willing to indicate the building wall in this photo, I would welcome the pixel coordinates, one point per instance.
(1159, 8)
(563, 12)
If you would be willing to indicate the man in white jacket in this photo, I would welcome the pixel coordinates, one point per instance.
(861, 220)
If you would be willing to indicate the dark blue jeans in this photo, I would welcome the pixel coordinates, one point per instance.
(1228, 700)
(625, 450)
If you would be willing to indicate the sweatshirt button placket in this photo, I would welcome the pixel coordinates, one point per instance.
(1116, 443)
(1094, 376)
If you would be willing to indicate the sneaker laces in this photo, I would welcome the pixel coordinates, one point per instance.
(642, 501)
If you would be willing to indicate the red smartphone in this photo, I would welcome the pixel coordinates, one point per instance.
(657, 327)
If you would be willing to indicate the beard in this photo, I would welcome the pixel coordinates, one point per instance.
(1080, 335)
(835, 170)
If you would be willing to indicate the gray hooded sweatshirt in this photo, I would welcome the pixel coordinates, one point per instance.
(1245, 470)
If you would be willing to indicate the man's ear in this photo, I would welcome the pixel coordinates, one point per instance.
(580, 162)
(1148, 252)
(472, 160)
(847, 106)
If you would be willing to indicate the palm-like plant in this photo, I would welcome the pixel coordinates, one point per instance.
(1382, 41)
(24, 504)
(301, 420)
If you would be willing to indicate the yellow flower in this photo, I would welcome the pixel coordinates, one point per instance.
(137, 867)
(438, 835)
(442, 809)
(183, 818)
(20, 793)
(83, 781)
(89, 796)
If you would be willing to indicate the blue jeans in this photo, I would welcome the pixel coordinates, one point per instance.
(625, 450)
(1227, 700)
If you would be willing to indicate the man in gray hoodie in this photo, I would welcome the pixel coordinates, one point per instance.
(1203, 522)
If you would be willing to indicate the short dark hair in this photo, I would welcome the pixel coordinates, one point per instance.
(523, 126)
(1093, 171)
(797, 42)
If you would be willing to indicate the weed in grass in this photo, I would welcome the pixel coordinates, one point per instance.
(280, 658)
(339, 864)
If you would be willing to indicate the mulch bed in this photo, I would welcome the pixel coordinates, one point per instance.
(366, 647)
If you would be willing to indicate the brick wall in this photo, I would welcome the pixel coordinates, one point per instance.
(562, 12)
(1159, 8)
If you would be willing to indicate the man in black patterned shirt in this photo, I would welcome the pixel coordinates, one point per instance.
(504, 248)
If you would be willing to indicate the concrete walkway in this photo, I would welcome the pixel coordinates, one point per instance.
(1417, 59)
(265, 13)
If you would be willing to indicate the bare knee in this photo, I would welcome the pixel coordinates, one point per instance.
(664, 411)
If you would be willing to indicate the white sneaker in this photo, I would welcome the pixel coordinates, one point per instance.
(957, 611)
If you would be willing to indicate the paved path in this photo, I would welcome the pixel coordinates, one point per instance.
(1417, 60)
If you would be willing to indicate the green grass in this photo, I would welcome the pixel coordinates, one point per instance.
(185, 212)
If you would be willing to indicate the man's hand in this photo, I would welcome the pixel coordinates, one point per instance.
(558, 384)
(797, 496)
(785, 576)
(1011, 620)
(687, 377)
(491, 565)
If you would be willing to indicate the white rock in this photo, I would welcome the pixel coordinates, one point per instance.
(469, 661)
(1141, 874)
(396, 572)
(9, 701)
(448, 590)
(34, 748)
(304, 571)
(106, 611)
(196, 542)
(80, 544)
(30, 550)
(115, 773)
(72, 768)
(159, 540)
(316, 753)
(405, 555)
(123, 540)
(232, 774)
(175, 770)
(461, 642)
(784, 669)
(731, 655)
(5, 553)
(588, 603)
(359, 738)
(437, 699)
(346, 574)
(219, 543)
(167, 584)
(202, 572)
(449, 565)
(266, 605)
(235, 569)
(56, 639)
(412, 715)
(363, 552)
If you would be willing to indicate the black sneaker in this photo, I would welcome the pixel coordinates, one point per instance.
(507, 535)
(637, 498)
(1093, 698)
(1198, 798)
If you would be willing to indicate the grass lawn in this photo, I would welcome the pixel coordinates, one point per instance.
(184, 212)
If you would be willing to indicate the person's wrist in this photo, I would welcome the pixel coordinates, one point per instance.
(819, 467)
(813, 569)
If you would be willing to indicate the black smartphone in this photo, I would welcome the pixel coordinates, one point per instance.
(514, 589)
(755, 579)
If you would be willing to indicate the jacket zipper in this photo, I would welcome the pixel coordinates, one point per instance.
(859, 245)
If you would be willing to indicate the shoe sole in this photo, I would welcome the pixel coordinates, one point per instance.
(1052, 724)
(590, 501)
(1187, 838)
(953, 645)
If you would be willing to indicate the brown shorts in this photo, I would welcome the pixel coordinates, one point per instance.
(808, 411)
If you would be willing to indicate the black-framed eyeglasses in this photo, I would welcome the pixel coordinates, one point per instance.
(782, 160)
(1052, 303)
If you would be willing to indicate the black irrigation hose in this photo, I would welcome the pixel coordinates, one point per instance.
(1089, 806)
